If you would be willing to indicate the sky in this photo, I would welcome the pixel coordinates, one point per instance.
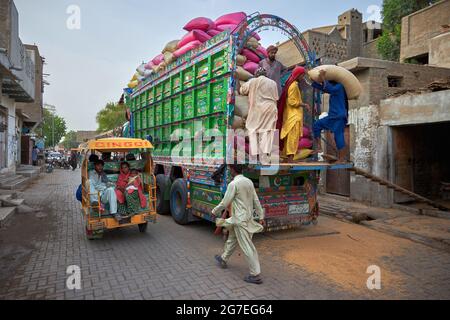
(91, 62)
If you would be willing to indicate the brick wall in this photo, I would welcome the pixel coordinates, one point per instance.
(370, 50)
(440, 51)
(375, 80)
(419, 27)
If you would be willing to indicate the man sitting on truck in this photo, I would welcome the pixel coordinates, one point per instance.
(99, 183)
(241, 194)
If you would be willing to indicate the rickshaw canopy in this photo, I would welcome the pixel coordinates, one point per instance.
(118, 144)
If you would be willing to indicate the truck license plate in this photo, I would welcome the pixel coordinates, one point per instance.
(299, 209)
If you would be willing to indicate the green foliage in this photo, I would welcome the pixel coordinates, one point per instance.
(53, 129)
(111, 117)
(389, 45)
(70, 140)
(392, 13)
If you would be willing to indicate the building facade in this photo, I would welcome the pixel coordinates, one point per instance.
(20, 86)
(374, 119)
(349, 38)
(426, 35)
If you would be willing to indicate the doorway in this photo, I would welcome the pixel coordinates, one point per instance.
(421, 159)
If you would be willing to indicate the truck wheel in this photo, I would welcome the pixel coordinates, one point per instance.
(178, 201)
(162, 183)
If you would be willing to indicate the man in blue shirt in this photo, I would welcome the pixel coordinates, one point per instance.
(34, 156)
(337, 118)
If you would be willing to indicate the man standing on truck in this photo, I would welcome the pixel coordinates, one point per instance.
(262, 113)
(274, 68)
(337, 118)
(241, 194)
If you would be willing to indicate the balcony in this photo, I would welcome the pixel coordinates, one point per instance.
(17, 69)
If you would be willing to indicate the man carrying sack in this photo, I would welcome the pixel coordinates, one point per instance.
(241, 194)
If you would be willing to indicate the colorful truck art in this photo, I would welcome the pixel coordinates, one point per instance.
(196, 93)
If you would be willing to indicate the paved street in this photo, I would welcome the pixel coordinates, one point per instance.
(328, 261)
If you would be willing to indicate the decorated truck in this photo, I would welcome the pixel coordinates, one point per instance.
(187, 111)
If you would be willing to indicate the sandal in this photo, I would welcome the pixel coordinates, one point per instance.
(253, 279)
(221, 262)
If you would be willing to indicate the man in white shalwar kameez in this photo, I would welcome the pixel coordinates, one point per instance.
(262, 112)
(241, 225)
(99, 183)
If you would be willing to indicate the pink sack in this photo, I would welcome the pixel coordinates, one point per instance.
(251, 67)
(149, 66)
(261, 51)
(306, 132)
(199, 35)
(231, 18)
(188, 47)
(213, 32)
(200, 23)
(158, 59)
(225, 27)
(256, 36)
(305, 143)
(251, 56)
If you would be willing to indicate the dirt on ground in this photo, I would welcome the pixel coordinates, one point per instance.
(344, 258)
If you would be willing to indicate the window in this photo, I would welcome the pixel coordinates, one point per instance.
(395, 82)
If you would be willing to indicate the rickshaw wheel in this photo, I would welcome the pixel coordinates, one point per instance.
(91, 235)
(143, 227)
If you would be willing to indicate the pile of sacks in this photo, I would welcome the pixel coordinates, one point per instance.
(305, 145)
(200, 30)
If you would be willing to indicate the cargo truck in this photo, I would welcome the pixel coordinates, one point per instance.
(187, 112)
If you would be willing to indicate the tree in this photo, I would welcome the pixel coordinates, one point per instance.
(111, 117)
(393, 11)
(70, 140)
(53, 137)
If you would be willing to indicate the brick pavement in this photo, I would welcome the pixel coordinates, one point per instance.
(169, 261)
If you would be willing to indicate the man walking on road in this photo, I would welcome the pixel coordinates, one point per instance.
(241, 226)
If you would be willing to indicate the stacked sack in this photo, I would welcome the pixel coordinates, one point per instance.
(305, 145)
(200, 30)
(142, 73)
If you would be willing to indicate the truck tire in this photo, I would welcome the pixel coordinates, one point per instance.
(162, 183)
(178, 202)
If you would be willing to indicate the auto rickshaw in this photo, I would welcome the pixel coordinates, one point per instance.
(96, 215)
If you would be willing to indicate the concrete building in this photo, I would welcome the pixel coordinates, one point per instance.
(349, 38)
(378, 139)
(426, 36)
(35, 109)
(20, 87)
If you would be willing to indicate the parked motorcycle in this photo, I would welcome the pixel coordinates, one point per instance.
(49, 167)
